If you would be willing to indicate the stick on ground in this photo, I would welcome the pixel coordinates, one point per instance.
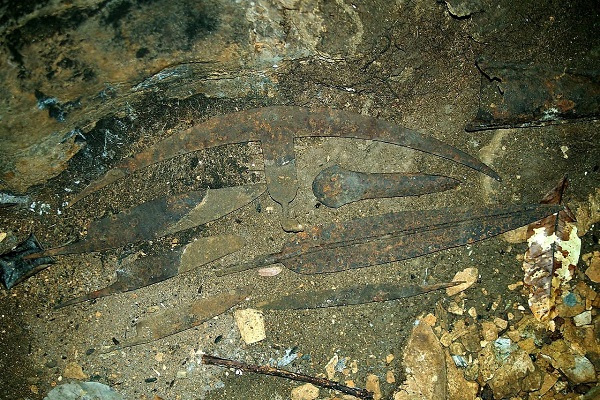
(266, 370)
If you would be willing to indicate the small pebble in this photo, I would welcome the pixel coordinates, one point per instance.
(305, 392)
(468, 276)
(585, 318)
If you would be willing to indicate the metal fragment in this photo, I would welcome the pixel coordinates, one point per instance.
(392, 237)
(7, 199)
(522, 95)
(14, 269)
(145, 271)
(277, 127)
(181, 318)
(335, 186)
(358, 294)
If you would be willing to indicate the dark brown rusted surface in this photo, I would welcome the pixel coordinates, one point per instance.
(280, 172)
(335, 186)
(181, 318)
(520, 95)
(268, 370)
(277, 123)
(359, 294)
(160, 217)
(393, 237)
(136, 273)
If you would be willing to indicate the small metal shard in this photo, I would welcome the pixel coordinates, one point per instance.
(277, 127)
(14, 268)
(7, 200)
(335, 186)
(392, 237)
(179, 319)
(359, 294)
(145, 271)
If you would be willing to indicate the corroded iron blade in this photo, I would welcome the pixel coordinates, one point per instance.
(160, 217)
(335, 186)
(181, 318)
(393, 237)
(460, 228)
(359, 294)
(140, 272)
(283, 123)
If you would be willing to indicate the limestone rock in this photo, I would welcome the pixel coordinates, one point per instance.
(511, 375)
(588, 213)
(565, 358)
(570, 304)
(593, 269)
(425, 364)
(458, 387)
(83, 390)
(330, 367)
(251, 325)
(74, 371)
(585, 318)
(372, 386)
(468, 275)
(305, 392)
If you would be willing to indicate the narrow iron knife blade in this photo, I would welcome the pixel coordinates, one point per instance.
(359, 294)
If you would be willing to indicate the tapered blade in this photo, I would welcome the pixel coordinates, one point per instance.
(181, 318)
(359, 294)
(335, 186)
(161, 217)
(268, 124)
(141, 272)
(400, 236)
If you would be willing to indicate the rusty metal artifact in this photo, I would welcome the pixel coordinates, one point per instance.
(335, 186)
(140, 272)
(520, 95)
(14, 268)
(358, 294)
(392, 237)
(276, 128)
(159, 217)
(181, 318)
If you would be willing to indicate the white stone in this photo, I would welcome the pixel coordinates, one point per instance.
(585, 318)
(251, 324)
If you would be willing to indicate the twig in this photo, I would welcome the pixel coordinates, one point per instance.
(266, 370)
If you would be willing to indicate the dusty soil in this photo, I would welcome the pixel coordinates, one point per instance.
(410, 62)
